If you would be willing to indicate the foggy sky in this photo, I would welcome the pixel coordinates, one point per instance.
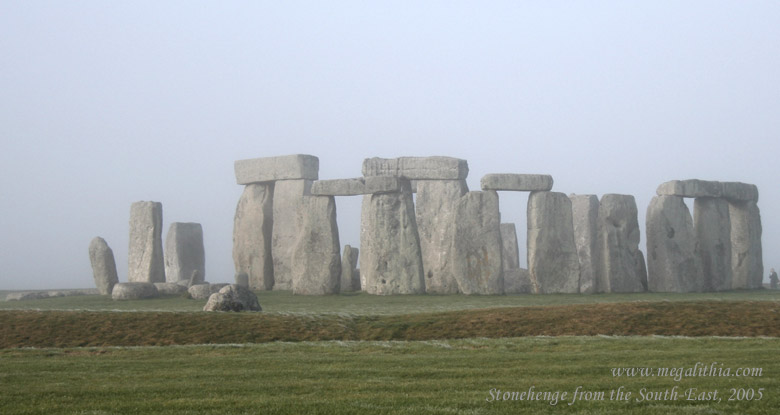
(107, 103)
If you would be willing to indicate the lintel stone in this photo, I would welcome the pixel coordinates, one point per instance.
(417, 168)
(517, 182)
(268, 169)
(356, 186)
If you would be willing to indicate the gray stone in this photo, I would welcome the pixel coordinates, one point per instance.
(585, 213)
(517, 182)
(233, 297)
(417, 168)
(690, 188)
(242, 279)
(746, 252)
(134, 291)
(170, 288)
(517, 281)
(316, 264)
(268, 169)
(621, 267)
(103, 265)
(350, 281)
(673, 263)
(713, 236)
(437, 201)
(511, 253)
(27, 295)
(184, 252)
(552, 254)
(477, 265)
(145, 255)
(357, 186)
(740, 192)
(288, 197)
(391, 262)
(200, 291)
(214, 288)
(252, 234)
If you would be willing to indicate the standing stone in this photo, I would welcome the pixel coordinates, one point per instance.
(242, 279)
(315, 262)
(621, 267)
(437, 201)
(510, 254)
(673, 263)
(585, 213)
(145, 255)
(713, 235)
(103, 265)
(517, 281)
(184, 252)
(252, 235)
(391, 262)
(552, 254)
(517, 182)
(746, 256)
(478, 266)
(349, 278)
(288, 197)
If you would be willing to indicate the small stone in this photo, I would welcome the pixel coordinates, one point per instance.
(233, 297)
(184, 252)
(268, 169)
(349, 260)
(511, 253)
(242, 279)
(103, 265)
(134, 291)
(145, 255)
(517, 182)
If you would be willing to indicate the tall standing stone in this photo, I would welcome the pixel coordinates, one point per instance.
(621, 267)
(287, 200)
(349, 276)
(184, 252)
(437, 202)
(673, 262)
(315, 261)
(103, 265)
(145, 255)
(552, 254)
(252, 227)
(713, 235)
(585, 213)
(510, 254)
(746, 255)
(391, 262)
(478, 267)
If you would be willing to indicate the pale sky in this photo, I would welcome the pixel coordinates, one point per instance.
(107, 103)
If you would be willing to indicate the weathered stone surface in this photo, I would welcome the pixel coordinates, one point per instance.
(103, 265)
(517, 182)
(200, 291)
(391, 262)
(316, 264)
(437, 201)
(184, 252)
(690, 188)
(242, 279)
(27, 295)
(268, 169)
(746, 252)
(517, 281)
(349, 278)
(252, 233)
(713, 237)
(740, 192)
(288, 197)
(170, 288)
(145, 255)
(477, 265)
(134, 291)
(417, 168)
(510, 255)
(233, 297)
(673, 263)
(585, 213)
(621, 267)
(357, 186)
(214, 288)
(552, 254)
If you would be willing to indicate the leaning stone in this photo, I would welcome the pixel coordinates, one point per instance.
(510, 254)
(288, 197)
(268, 169)
(316, 264)
(145, 255)
(437, 201)
(252, 233)
(103, 265)
(673, 263)
(242, 279)
(517, 281)
(169, 288)
(134, 291)
(746, 252)
(740, 192)
(200, 291)
(417, 168)
(391, 262)
(621, 266)
(184, 252)
(233, 297)
(552, 254)
(349, 261)
(690, 188)
(477, 265)
(517, 182)
(713, 236)
(585, 213)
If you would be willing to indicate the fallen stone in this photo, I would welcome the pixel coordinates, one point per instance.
(268, 169)
(746, 252)
(233, 297)
(417, 168)
(673, 263)
(242, 279)
(585, 213)
(27, 295)
(170, 288)
(349, 278)
(510, 254)
(134, 291)
(621, 267)
(200, 291)
(477, 265)
(252, 234)
(713, 237)
(517, 182)
(145, 255)
(690, 188)
(740, 192)
(72, 293)
(184, 252)
(316, 264)
(553, 262)
(288, 197)
(103, 265)
(517, 281)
